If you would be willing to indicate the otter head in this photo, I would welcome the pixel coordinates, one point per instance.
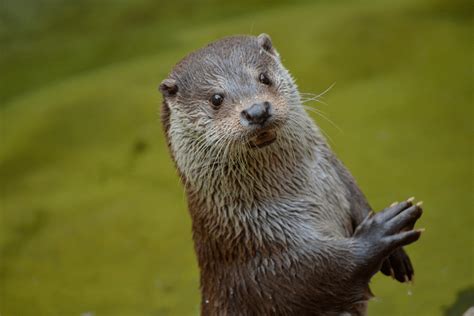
(230, 98)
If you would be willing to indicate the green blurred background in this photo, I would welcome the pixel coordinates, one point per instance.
(93, 217)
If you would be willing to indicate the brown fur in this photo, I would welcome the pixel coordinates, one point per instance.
(273, 227)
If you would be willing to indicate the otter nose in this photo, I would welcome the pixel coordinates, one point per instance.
(258, 113)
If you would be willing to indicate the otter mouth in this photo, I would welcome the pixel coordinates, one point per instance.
(263, 139)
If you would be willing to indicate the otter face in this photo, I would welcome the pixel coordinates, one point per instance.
(234, 89)
(230, 103)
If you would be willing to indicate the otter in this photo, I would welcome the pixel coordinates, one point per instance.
(280, 226)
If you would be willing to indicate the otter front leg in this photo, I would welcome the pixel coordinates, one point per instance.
(380, 234)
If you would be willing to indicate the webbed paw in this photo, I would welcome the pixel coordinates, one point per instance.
(380, 234)
(398, 266)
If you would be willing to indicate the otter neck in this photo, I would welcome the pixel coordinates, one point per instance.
(248, 174)
(251, 204)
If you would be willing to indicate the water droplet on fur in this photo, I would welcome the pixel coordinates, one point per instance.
(206, 301)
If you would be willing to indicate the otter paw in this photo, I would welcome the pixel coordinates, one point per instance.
(398, 266)
(389, 229)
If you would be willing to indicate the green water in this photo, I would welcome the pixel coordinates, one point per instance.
(93, 218)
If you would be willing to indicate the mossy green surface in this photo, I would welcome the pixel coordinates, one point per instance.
(93, 217)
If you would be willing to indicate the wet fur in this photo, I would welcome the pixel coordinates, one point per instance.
(272, 227)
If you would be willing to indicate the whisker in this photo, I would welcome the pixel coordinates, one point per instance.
(314, 100)
(322, 93)
(323, 115)
(295, 121)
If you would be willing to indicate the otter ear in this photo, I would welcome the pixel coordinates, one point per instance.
(168, 87)
(265, 42)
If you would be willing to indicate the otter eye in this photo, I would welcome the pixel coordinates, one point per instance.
(217, 99)
(263, 78)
